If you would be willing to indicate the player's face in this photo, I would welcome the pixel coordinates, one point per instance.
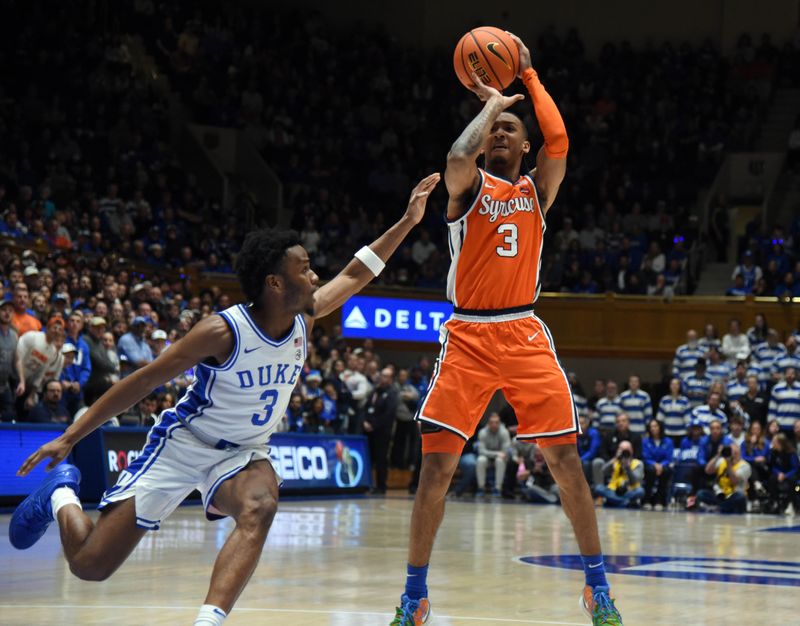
(301, 281)
(507, 142)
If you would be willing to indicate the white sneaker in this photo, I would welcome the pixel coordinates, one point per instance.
(789, 510)
(659, 507)
(647, 507)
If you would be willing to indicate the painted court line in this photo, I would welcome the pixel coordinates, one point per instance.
(264, 610)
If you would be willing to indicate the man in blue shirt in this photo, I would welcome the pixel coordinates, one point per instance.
(134, 346)
(77, 374)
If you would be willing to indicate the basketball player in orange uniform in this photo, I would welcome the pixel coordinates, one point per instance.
(496, 224)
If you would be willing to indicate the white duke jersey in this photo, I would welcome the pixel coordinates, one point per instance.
(243, 400)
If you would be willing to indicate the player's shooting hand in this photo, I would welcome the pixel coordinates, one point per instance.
(419, 197)
(56, 450)
(524, 54)
(486, 93)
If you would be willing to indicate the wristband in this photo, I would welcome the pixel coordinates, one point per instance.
(371, 260)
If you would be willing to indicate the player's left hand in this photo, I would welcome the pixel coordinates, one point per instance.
(524, 54)
(419, 197)
(56, 450)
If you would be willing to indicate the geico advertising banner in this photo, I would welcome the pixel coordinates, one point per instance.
(394, 318)
(321, 461)
(302, 461)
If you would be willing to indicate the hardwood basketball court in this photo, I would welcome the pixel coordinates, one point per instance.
(342, 562)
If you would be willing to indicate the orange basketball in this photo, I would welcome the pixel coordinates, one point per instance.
(490, 53)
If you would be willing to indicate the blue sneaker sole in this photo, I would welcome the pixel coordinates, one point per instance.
(21, 535)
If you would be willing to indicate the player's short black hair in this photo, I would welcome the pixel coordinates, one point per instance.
(262, 253)
(517, 111)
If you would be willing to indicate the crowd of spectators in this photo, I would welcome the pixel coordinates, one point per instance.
(648, 128)
(769, 264)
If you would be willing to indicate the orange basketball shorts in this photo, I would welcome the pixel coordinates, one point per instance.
(479, 356)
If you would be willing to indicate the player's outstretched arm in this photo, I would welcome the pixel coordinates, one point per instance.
(461, 175)
(211, 337)
(370, 260)
(551, 160)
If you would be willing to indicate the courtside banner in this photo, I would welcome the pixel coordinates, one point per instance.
(397, 319)
(17, 443)
(321, 461)
(304, 462)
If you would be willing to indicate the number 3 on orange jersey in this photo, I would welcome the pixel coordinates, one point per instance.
(510, 239)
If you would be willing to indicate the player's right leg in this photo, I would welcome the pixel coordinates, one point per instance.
(93, 551)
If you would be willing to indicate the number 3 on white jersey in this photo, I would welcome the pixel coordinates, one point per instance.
(510, 240)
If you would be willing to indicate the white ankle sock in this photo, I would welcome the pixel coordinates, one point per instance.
(62, 497)
(210, 615)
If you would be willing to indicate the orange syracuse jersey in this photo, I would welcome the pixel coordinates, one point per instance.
(496, 246)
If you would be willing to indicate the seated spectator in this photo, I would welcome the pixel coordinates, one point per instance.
(533, 476)
(705, 414)
(624, 489)
(674, 412)
(736, 387)
(738, 288)
(49, 410)
(610, 446)
(757, 333)
(783, 464)
(104, 371)
(636, 403)
(748, 270)
(784, 402)
(294, 413)
(690, 457)
(608, 408)
(736, 430)
(466, 467)
(715, 439)
(70, 387)
(588, 446)
(134, 347)
(709, 339)
(697, 385)
(21, 319)
(686, 356)
(773, 428)
(755, 450)
(783, 363)
(657, 450)
(729, 493)
(717, 369)
(494, 443)
(143, 413)
(753, 405)
(735, 345)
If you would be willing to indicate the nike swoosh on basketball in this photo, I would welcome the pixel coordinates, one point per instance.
(249, 350)
(492, 47)
(533, 336)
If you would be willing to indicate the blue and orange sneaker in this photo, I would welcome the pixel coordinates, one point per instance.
(412, 612)
(599, 606)
(32, 517)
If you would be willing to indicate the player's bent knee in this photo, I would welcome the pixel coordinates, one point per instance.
(91, 571)
(257, 512)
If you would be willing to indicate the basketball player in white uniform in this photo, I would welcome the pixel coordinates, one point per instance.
(248, 359)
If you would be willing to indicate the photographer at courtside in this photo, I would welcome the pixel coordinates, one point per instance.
(729, 493)
(624, 489)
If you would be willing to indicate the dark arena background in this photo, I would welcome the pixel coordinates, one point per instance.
(140, 144)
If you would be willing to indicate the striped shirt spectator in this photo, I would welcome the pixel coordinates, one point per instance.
(771, 350)
(707, 413)
(674, 411)
(721, 370)
(736, 387)
(762, 370)
(581, 404)
(696, 385)
(608, 408)
(784, 403)
(790, 359)
(709, 339)
(637, 404)
(686, 356)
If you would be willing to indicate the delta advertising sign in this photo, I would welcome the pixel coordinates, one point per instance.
(397, 319)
